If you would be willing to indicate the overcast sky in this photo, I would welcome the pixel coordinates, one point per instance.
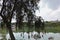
(49, 10)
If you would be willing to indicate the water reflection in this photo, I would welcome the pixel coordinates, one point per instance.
(24, 36)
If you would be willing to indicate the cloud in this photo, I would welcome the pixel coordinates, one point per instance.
(49, 12)
(53, 4)
(55, 14)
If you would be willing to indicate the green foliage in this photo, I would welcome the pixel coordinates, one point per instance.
(25, 8)
(39, 24)
(20, 8)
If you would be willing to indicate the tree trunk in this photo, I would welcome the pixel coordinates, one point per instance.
(10, 31)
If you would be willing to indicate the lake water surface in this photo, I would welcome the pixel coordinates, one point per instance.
(24, 36)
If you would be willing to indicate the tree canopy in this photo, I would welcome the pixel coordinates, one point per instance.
(20, 8)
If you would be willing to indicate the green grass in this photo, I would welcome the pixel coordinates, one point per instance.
(48, 29)
(53, 29)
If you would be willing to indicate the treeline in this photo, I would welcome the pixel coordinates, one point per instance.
(52, 24)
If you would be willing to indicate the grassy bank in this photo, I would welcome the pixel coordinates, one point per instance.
(47, 29)
(52, 27)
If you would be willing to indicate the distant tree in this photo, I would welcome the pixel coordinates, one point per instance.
(39, 24)
(43, 25)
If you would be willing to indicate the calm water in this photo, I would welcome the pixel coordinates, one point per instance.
(21, 36)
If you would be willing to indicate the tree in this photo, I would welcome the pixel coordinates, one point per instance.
(43, 25)
(7, 14)
(20, 7)
(25, 7)
(39, 24)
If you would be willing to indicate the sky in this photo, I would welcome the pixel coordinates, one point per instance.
(49, 10)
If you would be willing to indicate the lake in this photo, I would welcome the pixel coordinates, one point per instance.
(24, 36)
